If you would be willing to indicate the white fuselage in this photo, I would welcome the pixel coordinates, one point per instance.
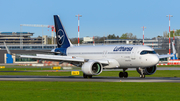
(119, 56)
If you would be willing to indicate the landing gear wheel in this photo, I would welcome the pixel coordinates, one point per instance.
(125, 74)
(85, 76)
(89, 76)
(142, 76)
(121, 74)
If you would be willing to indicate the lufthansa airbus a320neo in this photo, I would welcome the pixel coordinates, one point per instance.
(92, 59)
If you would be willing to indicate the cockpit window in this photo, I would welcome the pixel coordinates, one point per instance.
(147, 52)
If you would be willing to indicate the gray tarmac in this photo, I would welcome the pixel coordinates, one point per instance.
(94, 79)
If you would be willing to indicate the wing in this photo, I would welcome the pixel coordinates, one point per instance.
(170, 55)
(54, 58)
(61, 58)
(165, 56)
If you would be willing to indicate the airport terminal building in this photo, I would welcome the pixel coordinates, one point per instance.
(18, 42)
(14, 38)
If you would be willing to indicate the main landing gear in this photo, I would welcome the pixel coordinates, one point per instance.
(123, 74)
(87, 76)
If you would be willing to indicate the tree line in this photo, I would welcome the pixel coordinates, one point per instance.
(110, 36)
(123, 36)
(175, 33)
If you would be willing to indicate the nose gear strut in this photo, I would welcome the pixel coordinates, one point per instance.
(142, 74)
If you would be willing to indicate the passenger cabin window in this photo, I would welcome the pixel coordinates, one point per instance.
(147, 52)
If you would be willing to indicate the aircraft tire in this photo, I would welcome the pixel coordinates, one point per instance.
(89, 76)
(142, 76)
(125, 74)
(85, 76)
(121, 74)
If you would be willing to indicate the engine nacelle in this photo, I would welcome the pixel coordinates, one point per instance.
(148, 71)
(92, 68)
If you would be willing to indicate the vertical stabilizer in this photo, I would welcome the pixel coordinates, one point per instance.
(61, 36)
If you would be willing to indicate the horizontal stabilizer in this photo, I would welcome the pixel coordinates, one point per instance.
(7, 48)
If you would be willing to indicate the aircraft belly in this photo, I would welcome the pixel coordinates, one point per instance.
(127, 62)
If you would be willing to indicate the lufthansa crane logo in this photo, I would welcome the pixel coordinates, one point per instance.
(60, 37)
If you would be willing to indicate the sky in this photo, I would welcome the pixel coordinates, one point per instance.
(99, 17)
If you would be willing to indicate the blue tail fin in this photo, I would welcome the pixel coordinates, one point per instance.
(61, 36)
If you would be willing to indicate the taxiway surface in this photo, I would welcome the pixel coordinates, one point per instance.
(94, 79)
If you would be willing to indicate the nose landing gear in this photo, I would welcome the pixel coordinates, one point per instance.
(142, 76)
(141, 73)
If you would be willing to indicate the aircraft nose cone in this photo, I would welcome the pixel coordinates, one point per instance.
(155, 60)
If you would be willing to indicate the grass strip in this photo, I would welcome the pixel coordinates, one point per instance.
(88, 91)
